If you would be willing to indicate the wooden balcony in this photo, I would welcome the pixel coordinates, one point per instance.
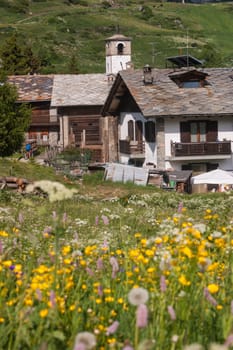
(179, 149)
(132, 148)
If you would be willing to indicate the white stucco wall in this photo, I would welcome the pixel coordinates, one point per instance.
(114, 64)
(150, 148)
(172, 133)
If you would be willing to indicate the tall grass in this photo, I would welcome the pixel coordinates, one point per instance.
(75, 265)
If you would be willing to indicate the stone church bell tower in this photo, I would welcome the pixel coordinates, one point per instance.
(118, 53)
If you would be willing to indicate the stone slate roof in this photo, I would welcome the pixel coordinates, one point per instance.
(33, 88)
(117, 37)
(80, 90)
(165, 98)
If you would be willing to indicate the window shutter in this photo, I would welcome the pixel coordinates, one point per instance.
(150, 131)
(212, 131)
(138, 130)
(130, 130)
(185, 132)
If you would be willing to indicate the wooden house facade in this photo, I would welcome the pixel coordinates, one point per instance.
(66, 108)
(180, 119)
(36, 91)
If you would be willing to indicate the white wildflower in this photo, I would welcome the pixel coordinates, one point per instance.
(200, 227)
(216, 234)
(87, 339)
(138, 296)
(175, 338)
(55, 190)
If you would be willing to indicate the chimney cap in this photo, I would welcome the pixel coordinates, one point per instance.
(147, 75)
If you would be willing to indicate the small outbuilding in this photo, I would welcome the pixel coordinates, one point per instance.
(214, 180)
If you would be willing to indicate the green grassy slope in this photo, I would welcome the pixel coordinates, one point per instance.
(57, 30)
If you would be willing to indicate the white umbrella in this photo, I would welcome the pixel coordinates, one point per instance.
(215, 177)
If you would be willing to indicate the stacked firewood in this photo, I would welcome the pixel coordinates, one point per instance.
(12, 182)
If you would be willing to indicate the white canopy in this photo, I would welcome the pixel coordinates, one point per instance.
(215, 177)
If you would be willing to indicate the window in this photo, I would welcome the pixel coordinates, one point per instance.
(130, 130)
(191, 84)
(120, 49)
(150, 131)
(198, 131)
(190, 79)
(135, 131)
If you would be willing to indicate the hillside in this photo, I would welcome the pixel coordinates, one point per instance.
(61, 32)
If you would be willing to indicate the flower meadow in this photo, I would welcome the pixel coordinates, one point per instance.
(144, 271)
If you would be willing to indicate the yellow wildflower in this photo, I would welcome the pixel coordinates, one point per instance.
(120, 301)
(213, 288)
(186, 251)
(7, 263)
(184, 281)
(4, 234)
(137, 235)
(66, 250)
(44, 313)
(158, 240)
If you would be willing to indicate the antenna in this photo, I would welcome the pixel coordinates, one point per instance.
(187, 47)
(154, 54)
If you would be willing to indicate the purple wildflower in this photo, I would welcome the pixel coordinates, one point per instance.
(52, 298)
(180, 207)
(100, 290)
(100, 264)
(229, 340)
(209, 297)
(115, 266)
(171, 312)
(12, 267)
(105, 219)
(113, 328)
(96, 220)
(141, 316)
(1, 247)
(89, 271)
(163, 285)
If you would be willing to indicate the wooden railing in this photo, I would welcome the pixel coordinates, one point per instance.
(179, 149)
(131, 147)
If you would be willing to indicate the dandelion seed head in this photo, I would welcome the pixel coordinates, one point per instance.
(85, 338)
(138, 296)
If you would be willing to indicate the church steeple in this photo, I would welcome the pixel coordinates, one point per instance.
(118, 53)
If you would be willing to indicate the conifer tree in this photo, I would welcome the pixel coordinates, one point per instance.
(14, 119)
(17, 57)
